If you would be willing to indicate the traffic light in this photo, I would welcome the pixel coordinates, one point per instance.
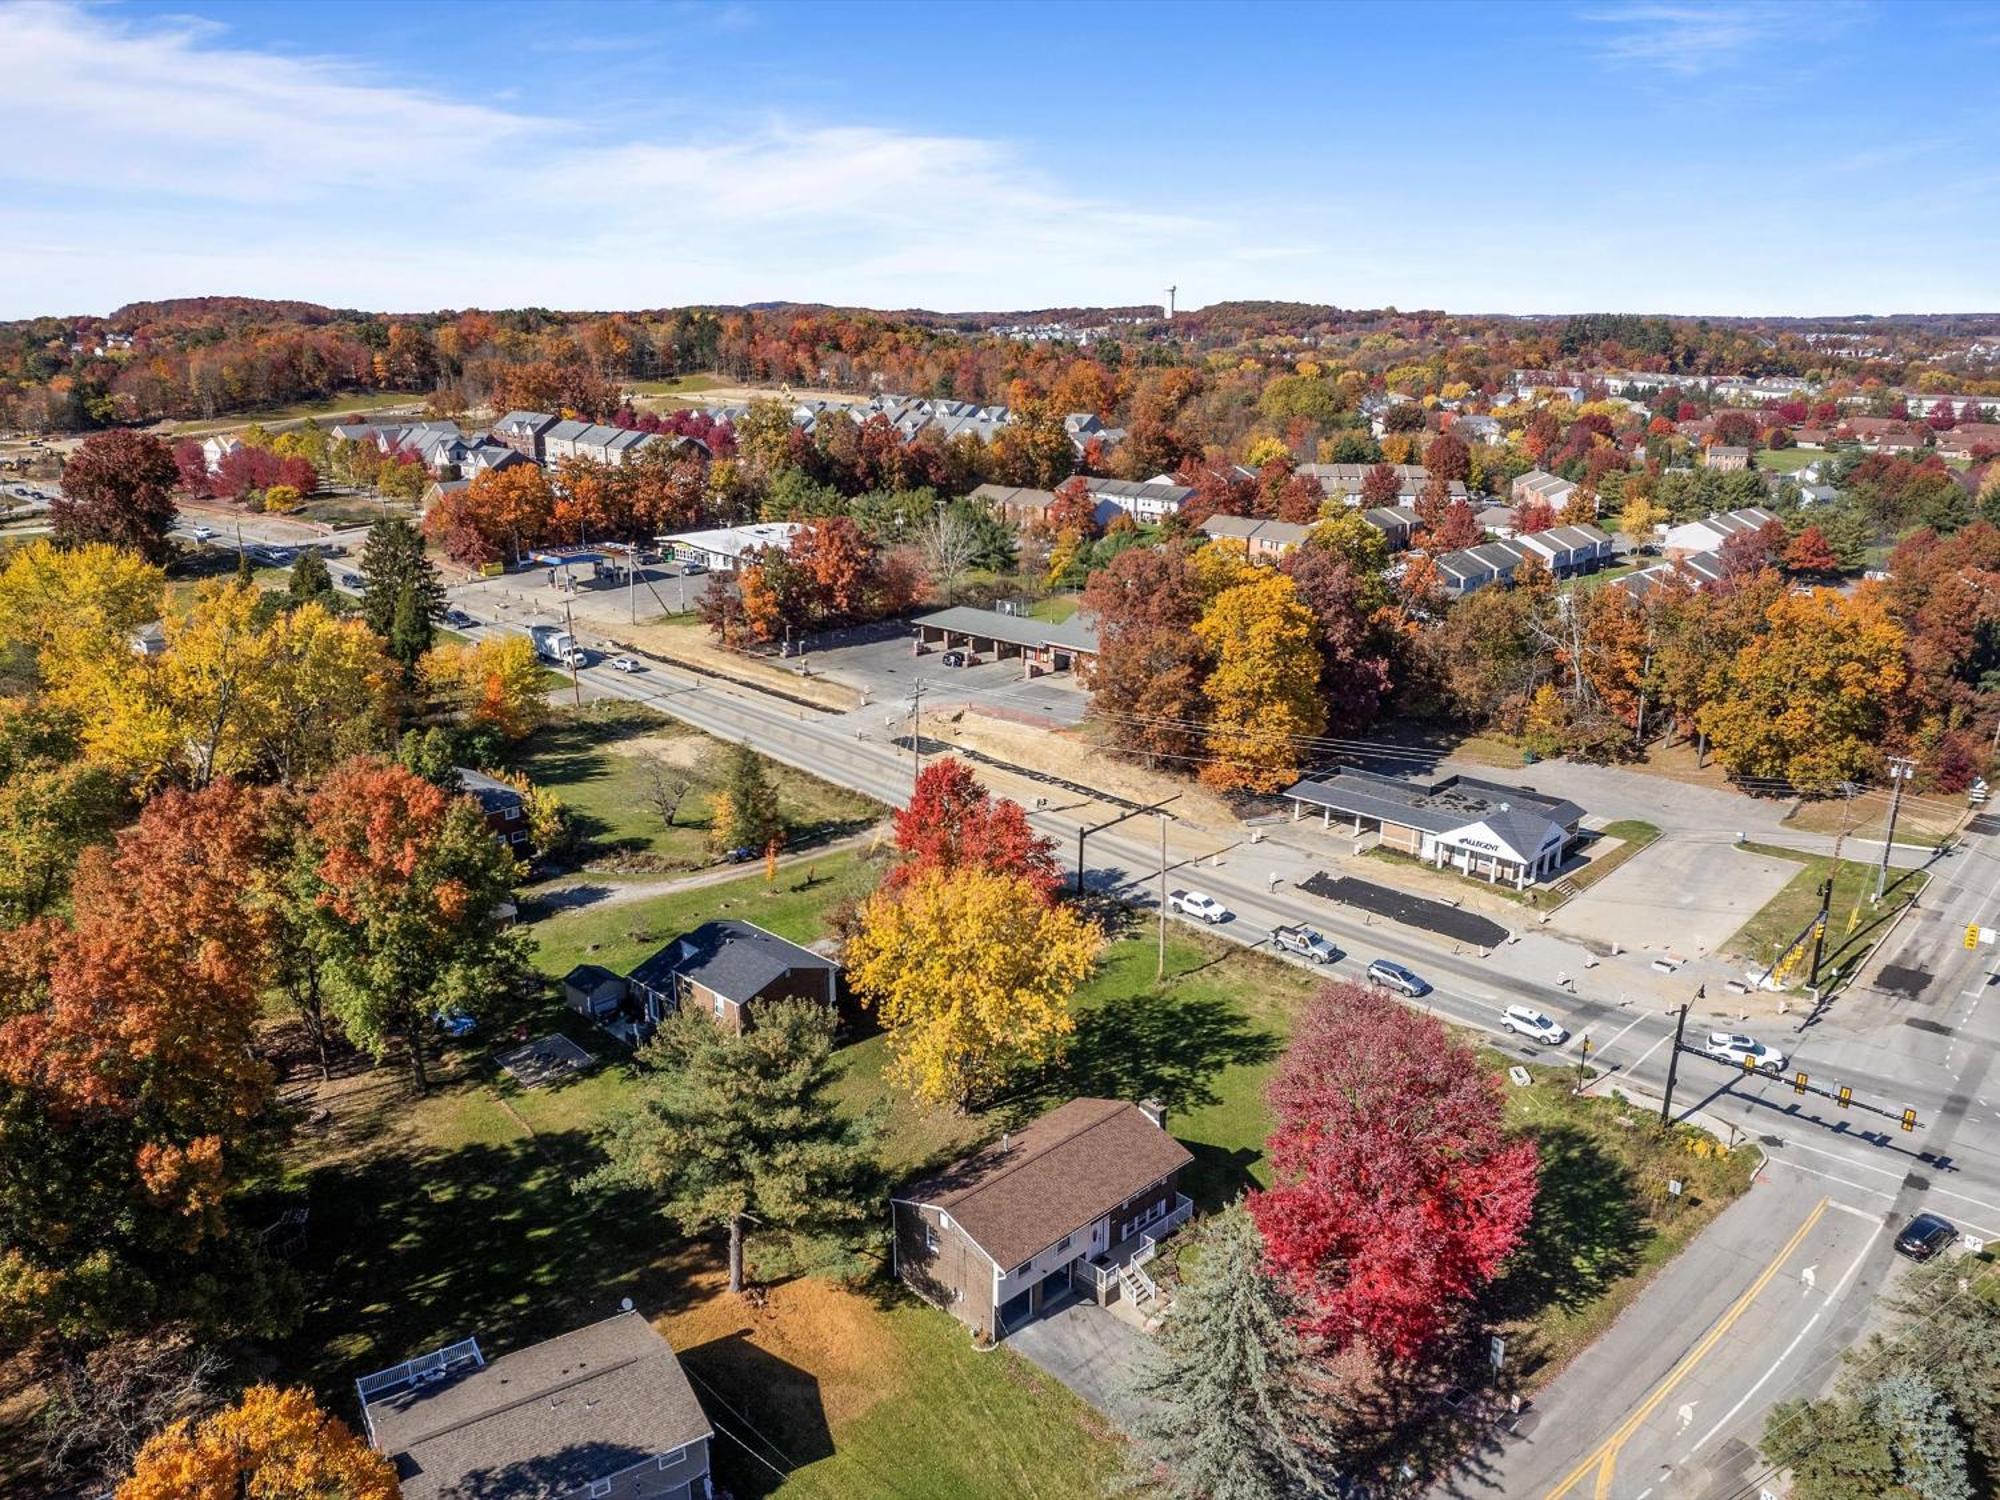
(1749, 1063)
(1909, 1119)
(1846, 1096)
(1972, 935)
(1799, 1084)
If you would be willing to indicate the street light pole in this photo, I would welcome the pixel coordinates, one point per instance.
(1674, 1063)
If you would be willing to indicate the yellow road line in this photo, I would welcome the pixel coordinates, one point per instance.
(1604, 1458)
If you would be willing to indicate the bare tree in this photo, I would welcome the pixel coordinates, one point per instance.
(950, 543)
(667, 786)
(103, 1405)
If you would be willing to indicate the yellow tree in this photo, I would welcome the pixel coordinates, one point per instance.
(972, 974)
(66, 607)
(496, 682)
(1262, 692)
(271, 1445)
(210, 676)
(1639, 517)
(323, 692)
(1807, 700)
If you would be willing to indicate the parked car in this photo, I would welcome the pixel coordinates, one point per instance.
(957, 658)
(1393, 976)
(1308, 944)
(625, 664)
(456, 1023)
(1195, 904)
(1925, 1235)
(1525, 1020)
(742, 854)
(1741, 1051)
(693, 569)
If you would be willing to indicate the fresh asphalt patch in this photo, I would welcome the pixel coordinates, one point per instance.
(1412, 911)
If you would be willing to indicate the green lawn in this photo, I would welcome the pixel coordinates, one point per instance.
(600, 760)
(1785, 460)
(679, 385)
(337, 406)
(455, 1215)
(1855, 918)
(1055, 609)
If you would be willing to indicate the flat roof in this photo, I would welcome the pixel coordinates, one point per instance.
(1015, 630)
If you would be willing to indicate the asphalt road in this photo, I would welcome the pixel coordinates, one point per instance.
(1760, 1307)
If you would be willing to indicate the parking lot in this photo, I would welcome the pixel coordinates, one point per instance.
(881, 662)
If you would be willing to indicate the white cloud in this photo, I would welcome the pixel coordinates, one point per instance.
(1692, 39)
(170, 160)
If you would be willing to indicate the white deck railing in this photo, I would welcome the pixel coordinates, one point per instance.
(1143, 1248)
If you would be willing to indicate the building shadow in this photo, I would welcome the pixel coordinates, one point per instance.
(567, 1471)
(767, 1413)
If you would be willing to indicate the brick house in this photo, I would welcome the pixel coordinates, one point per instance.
(725, 967)
(1726, 459)
(1075, 1201)
(604, 1411)
(505, 809)
(523, 431)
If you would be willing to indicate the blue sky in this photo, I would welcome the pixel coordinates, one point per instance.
(1673, 157)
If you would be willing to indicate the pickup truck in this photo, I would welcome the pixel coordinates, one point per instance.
(1195, 904)
(1308, 944)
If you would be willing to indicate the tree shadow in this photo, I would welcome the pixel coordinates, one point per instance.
(766, 1412)
(569, 1470)
(1588, 1230)
(414, 1249)
(1169, 1047)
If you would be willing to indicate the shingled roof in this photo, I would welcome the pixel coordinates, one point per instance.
(1052, 1178)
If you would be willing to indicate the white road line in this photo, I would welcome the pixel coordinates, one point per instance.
(1620, 1037)
(1831, 1297)
(1634, 1064)
(1866, 1166)
(1792, 1166)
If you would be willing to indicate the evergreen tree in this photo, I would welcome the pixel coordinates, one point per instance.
(393, 559)
(1930, 1449)
(1240, 1407)
(310, 579)
(245, 574)
(410, 631)
(735, 1129)
(747, 815)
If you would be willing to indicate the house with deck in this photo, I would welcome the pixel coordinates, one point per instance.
(726, 969)
(603, 1412)
(1075, 1202)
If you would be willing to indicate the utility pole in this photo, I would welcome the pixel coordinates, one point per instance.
(569, 629)
(916, 734)
(1081, 830)
(1163, 897)
(632, 582)
(1674, 1062)
(1819, 929)
(1901, 769)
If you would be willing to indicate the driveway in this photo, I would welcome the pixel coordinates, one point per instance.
(1092, 1351)
(1689, 894)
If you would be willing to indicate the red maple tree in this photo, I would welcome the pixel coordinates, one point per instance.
(954, 823)
(1398, 1192)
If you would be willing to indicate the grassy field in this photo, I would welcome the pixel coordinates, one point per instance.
(338, 406)
(679, 385)
(453, 1215)
(1055, 609)
(1785, 460)
(600, 761)
(1854, 918)
(1927, 820)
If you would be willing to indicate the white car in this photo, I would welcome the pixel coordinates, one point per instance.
(1532, 1024)
(1743, 1051)
(1195, 904)
(625, 664)
(201, 533)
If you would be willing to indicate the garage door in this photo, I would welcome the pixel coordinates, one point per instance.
(1014, 1311)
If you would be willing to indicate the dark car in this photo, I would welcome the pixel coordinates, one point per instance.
(1924, 1236)
(740, 856)
(1394, 976)
(957, 658)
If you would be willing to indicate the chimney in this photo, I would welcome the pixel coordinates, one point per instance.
(1155, 1111)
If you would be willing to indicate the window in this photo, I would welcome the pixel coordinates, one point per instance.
(720, 1003)
(1065, 1243)
(930, 1238)
(599, 1487)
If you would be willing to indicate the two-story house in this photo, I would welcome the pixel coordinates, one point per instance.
(1074, 1201)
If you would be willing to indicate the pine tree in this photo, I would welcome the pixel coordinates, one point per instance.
(747, 811)
(1239, 1405)
(1930, 1449)
(410, 632)
(391, 560)
(310, 579)
(733, 1130)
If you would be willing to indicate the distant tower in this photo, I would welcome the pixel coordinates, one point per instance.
(1170, 302)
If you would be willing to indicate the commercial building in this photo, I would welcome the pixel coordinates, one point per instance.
(1480, 828)
(1041, 645)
